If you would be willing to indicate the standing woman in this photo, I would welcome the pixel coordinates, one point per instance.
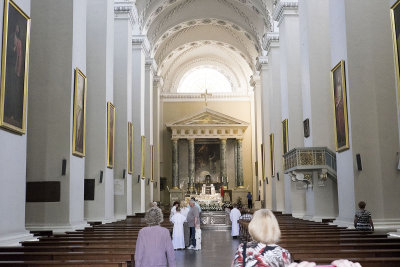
(263, 250)
(178, 239)
(186, 230)
(153, 246)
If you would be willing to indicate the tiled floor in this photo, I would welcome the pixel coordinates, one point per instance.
(218, 249)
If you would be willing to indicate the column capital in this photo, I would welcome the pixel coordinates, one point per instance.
(191, 139)
(284, 8)
(141, 42)
(150, 64)
(223, 139)
(174, 139)
(126, 10)
(270, 40)
(262, 62)
(158, 81)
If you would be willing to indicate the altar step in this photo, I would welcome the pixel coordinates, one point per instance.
(216, 227)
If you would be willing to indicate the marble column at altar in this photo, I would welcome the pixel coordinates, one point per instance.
(235, 154)
(175, 166)
(191, 165)
(239, 164)
(223, 162)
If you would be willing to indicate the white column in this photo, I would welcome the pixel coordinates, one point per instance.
(123, 20)
(140, 48)
(372, 107)
(13, 172)
(317, 99)
(100, 58)
(157, 85)
(50, 114)
(150, 71)
(286, 14)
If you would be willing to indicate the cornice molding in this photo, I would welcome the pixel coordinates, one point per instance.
(271, 39)
(126, 9)
(141, 42)
(283, 8)
(262, 61)
(196, 97)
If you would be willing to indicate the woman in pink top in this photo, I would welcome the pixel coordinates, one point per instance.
(154, 246)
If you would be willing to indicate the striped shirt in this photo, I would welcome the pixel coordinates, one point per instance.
(363, 217)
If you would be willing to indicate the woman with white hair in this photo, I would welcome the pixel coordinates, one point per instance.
(154, 245)
(262, 251)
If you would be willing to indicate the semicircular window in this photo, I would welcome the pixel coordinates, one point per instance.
(205, 78)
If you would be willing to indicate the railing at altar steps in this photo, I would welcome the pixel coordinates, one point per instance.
(310, 158)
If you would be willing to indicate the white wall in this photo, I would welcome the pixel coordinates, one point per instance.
(13, 172)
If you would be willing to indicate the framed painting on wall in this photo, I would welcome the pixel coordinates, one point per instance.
(338, 84)
(271, 152)
(152, 163)
(263, 161)
(285, 139)
(110, 134)
(14, 68)
(395, 19)
(143, 160)
(79, 122)
(130, 148)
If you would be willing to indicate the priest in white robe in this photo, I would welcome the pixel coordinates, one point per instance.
(234, 216)
(178, 239)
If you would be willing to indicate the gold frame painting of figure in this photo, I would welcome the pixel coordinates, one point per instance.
(271, 153)
(14, 68)
(152, 163)
(79, 124)
(263, 161)
(395, 19)
(130, 148)
(338, 85)
(110, 134)
(285, 137)
(143, 160)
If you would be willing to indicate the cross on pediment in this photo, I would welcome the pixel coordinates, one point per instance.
(205, 94)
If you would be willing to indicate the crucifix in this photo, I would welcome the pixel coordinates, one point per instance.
(205, 94)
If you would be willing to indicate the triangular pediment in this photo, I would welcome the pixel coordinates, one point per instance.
(208, 117)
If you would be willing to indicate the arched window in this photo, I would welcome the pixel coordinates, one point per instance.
(199, 79)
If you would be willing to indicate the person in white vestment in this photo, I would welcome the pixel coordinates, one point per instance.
(234, 216)
(186, 230)
(173, 209)
(178, 240)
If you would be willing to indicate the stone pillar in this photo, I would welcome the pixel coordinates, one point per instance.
(191, 165)
(286, 15)
(123, 21)
(175, 164)
(240, 183)
(140, 48)
(223, 163)
(50, 122)
(235, 158)
(157, 133)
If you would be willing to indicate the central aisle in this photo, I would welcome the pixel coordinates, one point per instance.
(218, 249)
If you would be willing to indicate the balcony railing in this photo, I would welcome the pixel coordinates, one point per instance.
(310, 158)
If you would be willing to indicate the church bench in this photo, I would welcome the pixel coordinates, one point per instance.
(52, 255)
(364, 261)
(345, 246)
(79, 243)
(336, 240)
(75, 263)
(343, 254)
(89, 238)
(99, 248)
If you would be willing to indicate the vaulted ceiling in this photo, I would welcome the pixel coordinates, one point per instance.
(223, 34)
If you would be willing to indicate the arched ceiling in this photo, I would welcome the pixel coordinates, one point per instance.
(223, 34)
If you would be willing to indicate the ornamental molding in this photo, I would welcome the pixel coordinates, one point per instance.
(141, 42)
(283, 8)
(208, 123)
(126, 9)
(197, 97)
(271, 39)
(158, 81)
(150, 64)
(262, 61)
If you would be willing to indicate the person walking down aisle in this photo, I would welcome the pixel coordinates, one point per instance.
(249, 201)
(193, 220)
(154, 246)
(234, 216)
(178, 240)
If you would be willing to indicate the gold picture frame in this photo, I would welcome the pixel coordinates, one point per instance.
(130, 147)
(263, 161)
(152, 163)
(285, 137)
(14, 68)
(79, 120)
(143, 160)
(339, 97)
(271, 153)
(110, 134)
(395, 21)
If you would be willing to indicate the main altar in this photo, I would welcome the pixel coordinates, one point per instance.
(207, 162)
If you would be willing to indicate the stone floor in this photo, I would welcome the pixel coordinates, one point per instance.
(218, 249)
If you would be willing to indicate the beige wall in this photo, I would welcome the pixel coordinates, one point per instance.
(173, 111)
